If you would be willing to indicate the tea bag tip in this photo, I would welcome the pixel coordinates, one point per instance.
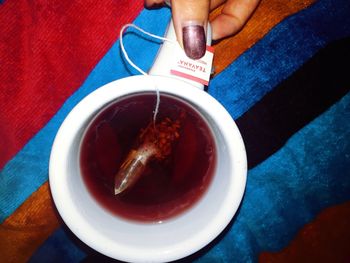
(117, 191)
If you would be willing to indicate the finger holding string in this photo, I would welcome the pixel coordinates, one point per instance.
(190, 19)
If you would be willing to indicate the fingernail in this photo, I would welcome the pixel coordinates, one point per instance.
(194, 41)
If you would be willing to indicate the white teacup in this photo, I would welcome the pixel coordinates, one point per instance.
(133, 241)
(144, 242)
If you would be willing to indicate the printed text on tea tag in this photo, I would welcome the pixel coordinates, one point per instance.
(195, 70)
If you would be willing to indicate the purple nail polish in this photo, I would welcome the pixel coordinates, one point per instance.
(194, 41)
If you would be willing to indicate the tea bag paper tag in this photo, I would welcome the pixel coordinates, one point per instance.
(195, 70)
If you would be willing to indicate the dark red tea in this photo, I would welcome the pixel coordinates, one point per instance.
(166, 188)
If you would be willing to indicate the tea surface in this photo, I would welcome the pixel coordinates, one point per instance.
(166, 188)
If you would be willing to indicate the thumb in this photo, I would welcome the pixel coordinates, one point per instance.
(190, 21)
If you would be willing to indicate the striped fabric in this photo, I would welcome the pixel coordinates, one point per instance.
(285, 78)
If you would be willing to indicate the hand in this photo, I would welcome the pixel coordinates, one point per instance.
(191, 17)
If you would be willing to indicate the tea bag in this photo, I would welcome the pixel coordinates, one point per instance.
(155, 142)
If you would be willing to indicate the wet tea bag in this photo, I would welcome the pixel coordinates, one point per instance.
(156, 140)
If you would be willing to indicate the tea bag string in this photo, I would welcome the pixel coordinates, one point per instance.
(125, 53)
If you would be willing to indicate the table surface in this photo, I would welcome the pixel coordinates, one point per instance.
(284, 79)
